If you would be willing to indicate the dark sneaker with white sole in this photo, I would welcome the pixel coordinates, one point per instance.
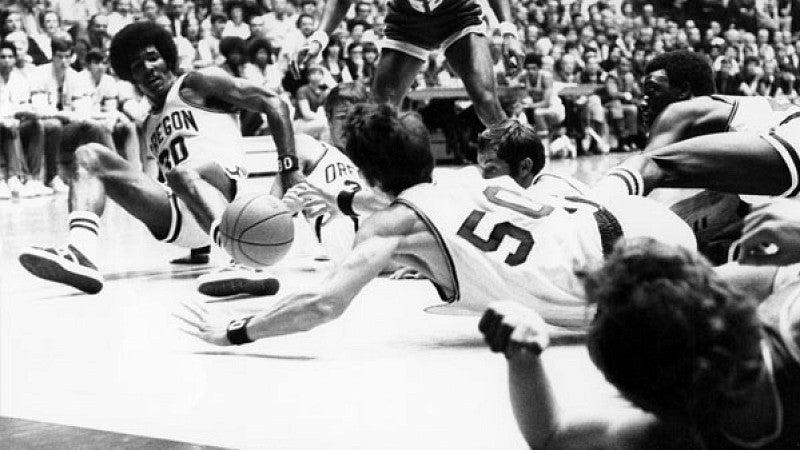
(237, 279)
(63, 265)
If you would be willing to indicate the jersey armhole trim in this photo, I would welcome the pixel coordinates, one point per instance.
(731, 115)
(442, 245)
(785, 328)
(193, 104)
(316, 163)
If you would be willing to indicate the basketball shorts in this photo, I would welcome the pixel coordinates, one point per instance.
(184, 231)
(637, 215)
(785, 139)
(411, 30)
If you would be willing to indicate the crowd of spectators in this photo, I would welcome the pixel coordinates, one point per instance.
(53, 66)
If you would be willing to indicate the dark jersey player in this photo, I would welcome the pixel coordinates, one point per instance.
(413, 29)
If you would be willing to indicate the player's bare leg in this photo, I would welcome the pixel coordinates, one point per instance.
(95, 172)
(394, 76)
(471, 59)
(205, 187)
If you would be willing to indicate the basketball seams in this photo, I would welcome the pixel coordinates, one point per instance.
(265, 228)
(252, 225)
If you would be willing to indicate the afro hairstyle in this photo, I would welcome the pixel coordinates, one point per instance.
(129, 41)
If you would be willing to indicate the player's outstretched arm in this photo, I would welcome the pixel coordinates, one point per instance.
(683, 120)
(244, 94)
(376, 242)
(332, 16)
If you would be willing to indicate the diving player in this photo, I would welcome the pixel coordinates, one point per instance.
(476, 240)
(193, 132)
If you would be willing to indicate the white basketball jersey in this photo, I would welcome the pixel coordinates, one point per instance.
(182, 130)
(504, 243)
(333, 173)
(757, 114)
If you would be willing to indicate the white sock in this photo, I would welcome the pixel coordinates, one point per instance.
(620, 181)
(84, 229)
(213, 232)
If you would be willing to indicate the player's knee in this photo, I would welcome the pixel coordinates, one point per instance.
(181, 178)
(87, 157)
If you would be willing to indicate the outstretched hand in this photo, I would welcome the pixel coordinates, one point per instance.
(307, 53)
(513, 55)
(197, 321)
(308, 198)
(509, 326)
(771, 234)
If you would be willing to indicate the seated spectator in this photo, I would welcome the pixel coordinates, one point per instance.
(208, 47)
(15, 119)
(105, 107)
(97, 32)
(135, 106)
(279, 23)
(542, 103)
(51, 26)
(187, 43)
(751, 76)
(726, 78)
(623, 127)
(355, 61)
(56, 90)
(233, 49)
(121, 14)
(333, 61)
(236, 26)
(12, 22)
(310, 114)
(151, 9)
(371, 55)
(261, 70)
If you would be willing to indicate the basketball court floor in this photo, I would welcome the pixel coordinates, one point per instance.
(113, 370)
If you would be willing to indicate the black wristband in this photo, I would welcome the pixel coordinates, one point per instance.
(345, 202)
(237, 331)
(288, 163)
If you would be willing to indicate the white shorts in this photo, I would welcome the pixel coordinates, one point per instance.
(184, 231)
(643, 217)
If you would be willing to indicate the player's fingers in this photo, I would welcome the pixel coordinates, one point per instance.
(191, 331)
(197, 310)
(191, 321)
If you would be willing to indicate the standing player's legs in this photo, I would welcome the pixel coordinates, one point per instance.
(471, 59)
(394, 75)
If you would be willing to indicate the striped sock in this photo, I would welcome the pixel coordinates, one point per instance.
(633, 181)
(84, 229)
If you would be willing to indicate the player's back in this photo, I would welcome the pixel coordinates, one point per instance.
(503, 243)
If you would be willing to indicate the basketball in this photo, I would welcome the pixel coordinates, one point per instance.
(256, 230)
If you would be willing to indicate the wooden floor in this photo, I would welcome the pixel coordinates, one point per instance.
(387, 375)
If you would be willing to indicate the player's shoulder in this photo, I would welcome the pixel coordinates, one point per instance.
(706, 112)
(397, 219)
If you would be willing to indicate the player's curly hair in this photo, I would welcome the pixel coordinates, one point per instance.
(392, 150)
(685, 68)
(129, 41)
(673, 337)
(513, 141)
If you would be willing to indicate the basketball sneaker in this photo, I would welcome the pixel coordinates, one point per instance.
(63, 265)
(237, 279)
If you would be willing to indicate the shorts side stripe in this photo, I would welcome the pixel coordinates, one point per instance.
(175, 220)
(790, 157)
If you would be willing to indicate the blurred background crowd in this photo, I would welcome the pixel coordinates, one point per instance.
(580, 84)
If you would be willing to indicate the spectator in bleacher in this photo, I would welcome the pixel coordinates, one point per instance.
(20, 41)
(233, 49)
(310, 7)
(177, 11)
(97, 32)
(752, 73)
(370, 61)
(55, 89)
(151, 9)
(135, 106)
(15, 119)
(208, 47)
(726, 78)
(310, 113)
(257, 29)
(105, 107)
(51, 26)
(121, 14)
(187, 43)
(76, 13)
(236, 25)
(296, 38)
(334, 63)
(279, 22)
(355, 60)
(355, 30)
(260, 69)
(80, 50)
(543, 105)
(13, 24)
